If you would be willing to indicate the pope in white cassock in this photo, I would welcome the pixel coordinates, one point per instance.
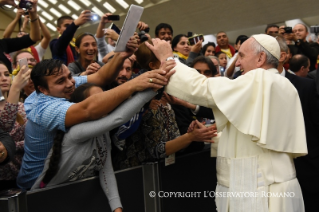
(262, 125)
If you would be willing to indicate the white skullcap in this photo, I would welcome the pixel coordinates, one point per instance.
(269, 43)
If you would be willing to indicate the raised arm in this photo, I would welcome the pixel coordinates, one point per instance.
(9, 113)
(101, 26)
(58, 47)
(35, 34)
(7, 2)
(195, 88)
(46, 35)
(101, 104)
(120, 115)
(109, 71)
(10, 28)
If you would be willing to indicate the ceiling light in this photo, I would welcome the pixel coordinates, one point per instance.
(53, 1)
(96, 10)
(86, 2)
(74, 5)
(109, 7)
(51, 27)
(39, 8)
(122, 3)
(15, 10)
(139, 1)
(47, 15)
(42, 20)
(75, 16)
(43, 3)
(64, 9)
(55, 12)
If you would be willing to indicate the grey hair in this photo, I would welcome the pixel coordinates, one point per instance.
(214, 57)
(270, 59)
(282, 44)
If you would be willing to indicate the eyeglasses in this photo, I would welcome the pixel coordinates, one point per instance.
(32, 60)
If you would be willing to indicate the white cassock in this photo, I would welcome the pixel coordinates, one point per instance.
(262, 126)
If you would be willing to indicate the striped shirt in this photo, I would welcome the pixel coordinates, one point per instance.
(46, 114)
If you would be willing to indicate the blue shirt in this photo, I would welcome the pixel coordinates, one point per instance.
(46, 115)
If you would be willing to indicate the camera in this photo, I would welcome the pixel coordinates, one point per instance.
(314, 29)
(194, 39)
(142, 35)
(25, 4)
(288, 29)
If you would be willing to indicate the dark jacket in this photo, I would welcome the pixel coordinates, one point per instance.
(8, 45)
(306, 49)
(307, 167)
(58, 46)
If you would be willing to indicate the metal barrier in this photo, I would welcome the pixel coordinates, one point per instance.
(183, 186)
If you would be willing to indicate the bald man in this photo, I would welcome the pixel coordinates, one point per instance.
(261, 120)
(301, 46)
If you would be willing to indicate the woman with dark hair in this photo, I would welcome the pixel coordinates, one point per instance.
(86, 147)
(13, 118)
(86, 48)
(158, 135)
(180, 47)
(183, 51)
(204, 66)
(208, 49)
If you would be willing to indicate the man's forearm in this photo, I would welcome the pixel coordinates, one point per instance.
(96, 106)
(35, 33)
(8, 31)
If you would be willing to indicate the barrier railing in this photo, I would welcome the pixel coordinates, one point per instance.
(184, 186)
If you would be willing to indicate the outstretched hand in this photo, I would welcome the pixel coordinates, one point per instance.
(161, 48)
(8, 2)
(131, 47)
(151, 79)
(21, 79)
(84, 17)
(202, 133)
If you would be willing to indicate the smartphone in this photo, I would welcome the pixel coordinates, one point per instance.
(1, 96)
(113, 17)
(23, 62)
(193, 40)
(314, 29)
(115, 28)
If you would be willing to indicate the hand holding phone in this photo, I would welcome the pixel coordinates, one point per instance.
(23, 64)
(23, 76)
(193, 40)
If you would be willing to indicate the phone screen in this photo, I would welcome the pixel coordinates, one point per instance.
(23, 62)
(1, 96)
(194, 40)
(115, 28)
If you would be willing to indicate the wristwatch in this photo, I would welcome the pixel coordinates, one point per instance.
(169, 58)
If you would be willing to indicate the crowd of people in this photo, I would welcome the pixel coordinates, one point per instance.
(88, 110)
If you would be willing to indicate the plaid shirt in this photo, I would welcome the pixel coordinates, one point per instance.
(46, 115)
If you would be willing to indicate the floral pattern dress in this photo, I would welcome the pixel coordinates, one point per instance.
(147, 144)
(8, 123)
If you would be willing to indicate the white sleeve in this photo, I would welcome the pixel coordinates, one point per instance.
(108, 181)
(40, 50)
(102, 47)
